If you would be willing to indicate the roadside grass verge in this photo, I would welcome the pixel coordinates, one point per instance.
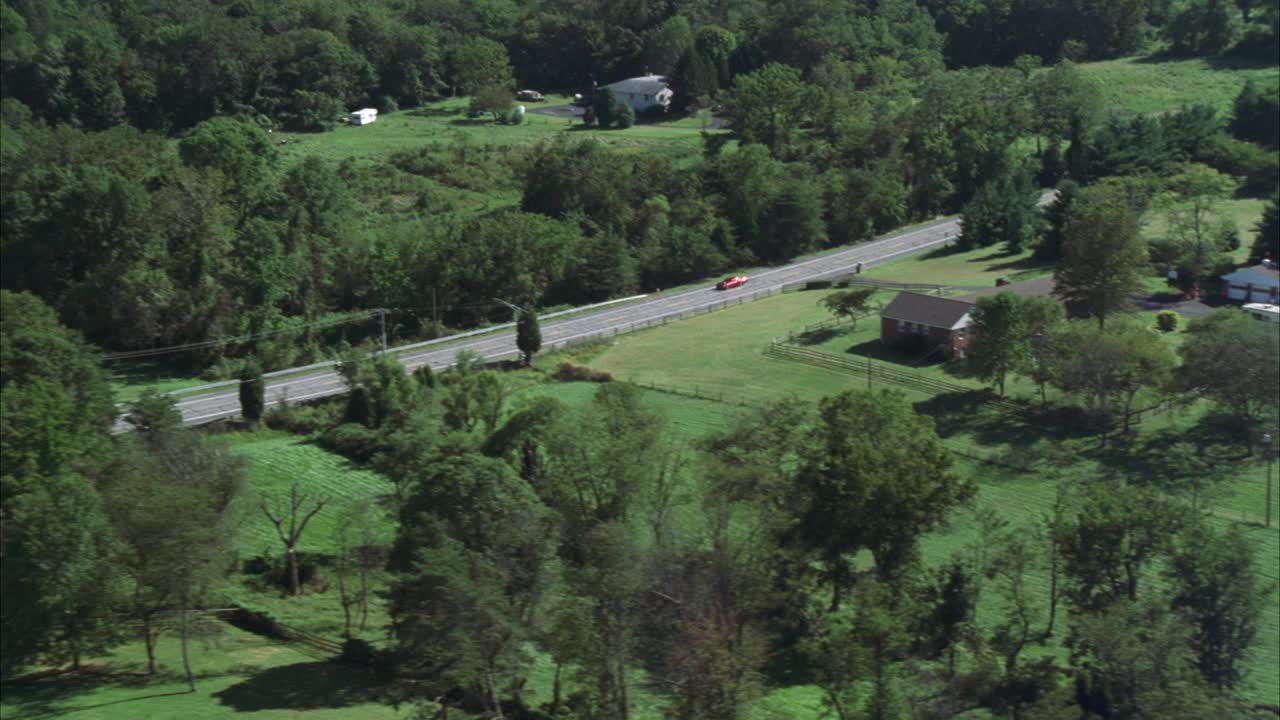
(1143, 85)
(951, 266)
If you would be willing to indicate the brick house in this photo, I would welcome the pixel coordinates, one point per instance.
(942, 322)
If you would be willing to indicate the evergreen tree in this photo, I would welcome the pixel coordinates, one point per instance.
(253, 388)
(1266, 244)
(605, 105)
(528, 335)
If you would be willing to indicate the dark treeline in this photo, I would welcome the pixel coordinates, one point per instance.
(850, 125)
(170, 65)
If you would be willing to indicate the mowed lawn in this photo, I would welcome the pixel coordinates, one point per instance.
(1142, 85)
(722, 355)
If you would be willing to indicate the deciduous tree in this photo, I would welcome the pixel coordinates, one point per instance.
(849, 304)
(1215, 580)
(290, 524)
(1104, 257)
(1001, 343)
(1247, 386)
(873, 477)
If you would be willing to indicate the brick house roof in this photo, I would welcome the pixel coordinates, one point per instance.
(928, 310)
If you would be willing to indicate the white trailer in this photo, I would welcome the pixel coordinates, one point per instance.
(364, 116)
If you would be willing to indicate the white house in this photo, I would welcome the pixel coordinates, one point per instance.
(364, 116)
(1259, 284)
(643, 92)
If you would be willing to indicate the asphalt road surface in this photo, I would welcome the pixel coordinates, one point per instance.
(606, 321)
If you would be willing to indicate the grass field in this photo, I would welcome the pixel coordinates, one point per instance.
(446, 122)
(1245, 212)
(722, 355)
(1141, 85)
(275, 461)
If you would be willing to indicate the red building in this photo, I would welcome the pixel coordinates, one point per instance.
(941, 322)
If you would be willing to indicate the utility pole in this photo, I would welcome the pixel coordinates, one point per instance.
(382, 322)
(435, 314)
(1266, 447)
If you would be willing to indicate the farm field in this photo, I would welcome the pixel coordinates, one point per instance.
(1142, 85)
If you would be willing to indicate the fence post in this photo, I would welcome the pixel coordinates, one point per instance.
(868, 372)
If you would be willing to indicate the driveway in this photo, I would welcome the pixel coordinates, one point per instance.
(568, 112)
(571, 112)
(1176, 302)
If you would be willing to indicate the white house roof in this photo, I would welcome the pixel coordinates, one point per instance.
(643, 85)
(1258, 276)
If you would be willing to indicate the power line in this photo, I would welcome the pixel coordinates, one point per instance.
(152, 352)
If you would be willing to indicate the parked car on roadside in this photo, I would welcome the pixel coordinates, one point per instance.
(732, 282)
(530, 96)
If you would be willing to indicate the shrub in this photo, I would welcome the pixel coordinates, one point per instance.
(624, 116)
(515, 117)
(302, 419)
(352, 440)
(568, 372)
(1167, 320)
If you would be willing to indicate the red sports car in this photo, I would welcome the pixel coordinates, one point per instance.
(733, 282)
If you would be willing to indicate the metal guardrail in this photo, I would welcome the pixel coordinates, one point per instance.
(396, 350)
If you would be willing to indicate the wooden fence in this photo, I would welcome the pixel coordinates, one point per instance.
(875, 370)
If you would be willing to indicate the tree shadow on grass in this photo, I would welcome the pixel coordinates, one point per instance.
(1022, 263)
(877, 350)
(429, 112)
(973, 413)
(43, 695)
(1182, 459)
(302, 686)
(818, 337)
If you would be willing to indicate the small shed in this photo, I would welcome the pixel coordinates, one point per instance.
(941, 322)
(1257, 284)
(364, 116)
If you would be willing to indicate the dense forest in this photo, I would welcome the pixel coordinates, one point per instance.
(146, 202)
(854, 120)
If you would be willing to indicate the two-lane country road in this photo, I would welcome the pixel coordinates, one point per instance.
(606, 321)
